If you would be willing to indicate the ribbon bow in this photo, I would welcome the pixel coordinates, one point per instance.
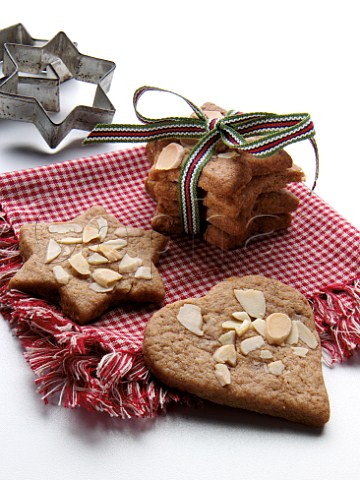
(273, 132)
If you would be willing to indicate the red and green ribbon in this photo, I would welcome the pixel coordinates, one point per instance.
(273, 132)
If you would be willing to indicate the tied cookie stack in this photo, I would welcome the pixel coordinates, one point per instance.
(219, 174)
(239, 195)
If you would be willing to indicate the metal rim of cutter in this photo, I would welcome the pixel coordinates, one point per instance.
(60, 59)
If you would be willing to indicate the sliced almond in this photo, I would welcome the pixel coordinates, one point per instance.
(109, 244)
(106, 277)
(228, 338)
(103, 228)
(129, 264)
(64, 228)
(213, 114)
(252, 301)
(109, 252)
(53, 251)
(231, 325)
(266, 354)
(143, 272)
(129, 232)
(246, 324)
(121, 231)
(170, 157)
(306, 335)
(300, 351)
(239, 327)
(190, 317)
(278, 327)
(250, 344)
(70, 240)
(97, 259)
(259, 325)
(99, 289)
(293, 338)
(79, 263)
(226, 354)
(90, 233)
(276, 368)
(61, 275)
(222, 374)
(241, 316)
(116, 243)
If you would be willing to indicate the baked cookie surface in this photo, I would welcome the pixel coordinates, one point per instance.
(89, 264)
(263, 354)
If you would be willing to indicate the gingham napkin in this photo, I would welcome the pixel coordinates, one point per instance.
(100, 366)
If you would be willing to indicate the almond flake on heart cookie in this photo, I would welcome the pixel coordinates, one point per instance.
(190, 317)
(252, 301)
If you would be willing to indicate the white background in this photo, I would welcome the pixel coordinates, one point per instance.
(278, 56)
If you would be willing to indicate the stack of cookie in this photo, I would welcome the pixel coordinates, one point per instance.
(240, 195)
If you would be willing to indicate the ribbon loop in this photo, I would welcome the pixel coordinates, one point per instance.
(140, 92)
(260, 134)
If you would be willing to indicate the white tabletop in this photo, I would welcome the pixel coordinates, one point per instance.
(250, 56)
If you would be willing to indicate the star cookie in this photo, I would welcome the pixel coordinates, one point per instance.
(90, 264)
(250, 343)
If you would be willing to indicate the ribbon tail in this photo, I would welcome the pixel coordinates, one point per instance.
(317, 163)
(188, 180)
(122, 133)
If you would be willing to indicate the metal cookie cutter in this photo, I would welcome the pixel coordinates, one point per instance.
(49, 63)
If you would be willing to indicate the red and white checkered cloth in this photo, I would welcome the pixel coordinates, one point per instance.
(100, 366)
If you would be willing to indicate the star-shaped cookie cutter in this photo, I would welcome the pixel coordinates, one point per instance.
(50, 63)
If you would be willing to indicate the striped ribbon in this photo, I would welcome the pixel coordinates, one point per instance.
(273, 132)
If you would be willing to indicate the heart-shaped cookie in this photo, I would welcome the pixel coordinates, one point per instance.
(251, 343)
